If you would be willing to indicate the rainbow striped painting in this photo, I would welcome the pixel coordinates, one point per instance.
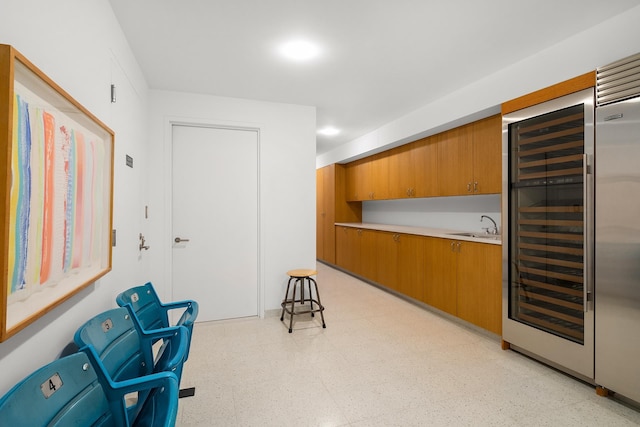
(57, 191)
(56, 209)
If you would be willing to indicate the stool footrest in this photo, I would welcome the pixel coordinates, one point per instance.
(287, 303)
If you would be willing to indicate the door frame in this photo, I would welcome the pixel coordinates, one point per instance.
(167, 229)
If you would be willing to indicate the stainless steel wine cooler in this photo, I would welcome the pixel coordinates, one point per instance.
(547, 244)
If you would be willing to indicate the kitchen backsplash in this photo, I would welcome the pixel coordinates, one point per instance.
(458, 213)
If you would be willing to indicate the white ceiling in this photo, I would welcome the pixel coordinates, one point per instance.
(380, 58)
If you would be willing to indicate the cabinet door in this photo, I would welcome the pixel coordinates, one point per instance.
(487, 155)
(400, 173)
(320, 214)
(455, 162)
(479, 285)
(379, 177)
(345, 248)
(354, 171)
(440, 274)
(329, 216)
(424, 161)
(367, 266)
(387, 259)
(411, 265)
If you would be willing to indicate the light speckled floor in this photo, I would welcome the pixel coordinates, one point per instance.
(381, 362)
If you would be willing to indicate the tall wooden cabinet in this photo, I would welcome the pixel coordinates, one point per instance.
(332, 207)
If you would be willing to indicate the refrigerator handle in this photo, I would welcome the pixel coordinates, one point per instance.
(587, 185)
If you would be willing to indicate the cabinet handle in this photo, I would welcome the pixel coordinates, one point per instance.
(475, 187)
(453, 246)
(459, 246)
(468, 187)
(408, 192)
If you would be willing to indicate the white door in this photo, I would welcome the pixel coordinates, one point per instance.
(215, 220)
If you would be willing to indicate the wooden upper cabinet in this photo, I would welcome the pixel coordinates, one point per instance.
(354, 176)
(413, 170)
(455, 162)
(427, 175)
(487, 155)
(463, 161)
(379, 177)
(368, 178)
(469, 158)
(400, 172)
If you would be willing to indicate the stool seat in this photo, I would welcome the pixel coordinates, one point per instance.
(299, 276)
(301, 272)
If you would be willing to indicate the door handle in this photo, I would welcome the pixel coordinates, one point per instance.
(179, 240)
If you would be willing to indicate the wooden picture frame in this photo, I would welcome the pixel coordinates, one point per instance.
(56, 174)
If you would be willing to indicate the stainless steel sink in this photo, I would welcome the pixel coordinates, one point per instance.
(477, 235)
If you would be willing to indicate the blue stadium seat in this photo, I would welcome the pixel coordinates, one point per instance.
(153, 314)
(74, 391)
(115, 339)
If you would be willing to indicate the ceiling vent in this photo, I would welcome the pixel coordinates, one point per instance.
(619, 80)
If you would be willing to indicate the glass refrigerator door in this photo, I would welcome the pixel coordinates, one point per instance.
(548, 202)
(547, 222)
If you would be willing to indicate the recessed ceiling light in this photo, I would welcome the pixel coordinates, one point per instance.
(329, 131)
(299, 50)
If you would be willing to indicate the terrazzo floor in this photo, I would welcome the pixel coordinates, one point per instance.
(381, 361)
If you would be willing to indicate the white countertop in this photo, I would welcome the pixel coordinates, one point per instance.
(424, 231)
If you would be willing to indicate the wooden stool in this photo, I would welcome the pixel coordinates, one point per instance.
(288, 304)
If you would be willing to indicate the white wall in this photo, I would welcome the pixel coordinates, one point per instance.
(79, 44)
(613, 39)
(286, 176)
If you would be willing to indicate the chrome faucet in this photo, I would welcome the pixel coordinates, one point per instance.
(490, 230)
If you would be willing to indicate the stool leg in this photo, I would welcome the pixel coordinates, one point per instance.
(301, 279)
(293, 302)
(286, 296)
(321, 308)
(310, 296)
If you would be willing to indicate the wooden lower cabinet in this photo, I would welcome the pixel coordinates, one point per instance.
(411, 265)
(479, 296)
(387, 259)
(400, 263)
(347, 248)
(461, 278)
(441, 274)
(464, 279)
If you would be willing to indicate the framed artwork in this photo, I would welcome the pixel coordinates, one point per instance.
(56, 174)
